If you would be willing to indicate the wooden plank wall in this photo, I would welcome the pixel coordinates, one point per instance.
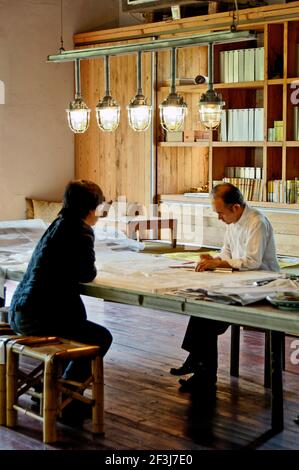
(177, 167)
(118, 161)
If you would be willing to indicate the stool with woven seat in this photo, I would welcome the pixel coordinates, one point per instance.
(56, 392)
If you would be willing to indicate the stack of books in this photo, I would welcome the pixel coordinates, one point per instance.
(242, 65)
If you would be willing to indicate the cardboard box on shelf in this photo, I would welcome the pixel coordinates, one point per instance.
(201, 135)
(173, 136)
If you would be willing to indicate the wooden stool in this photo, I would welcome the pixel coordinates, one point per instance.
(52, 352)
(4, 338)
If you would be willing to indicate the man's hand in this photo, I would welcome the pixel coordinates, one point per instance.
(202, 257)
(208, 262)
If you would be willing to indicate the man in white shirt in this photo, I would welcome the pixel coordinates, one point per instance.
(248, 245)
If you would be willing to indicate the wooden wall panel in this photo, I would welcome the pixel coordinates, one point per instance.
(119, 161)
(180, 168)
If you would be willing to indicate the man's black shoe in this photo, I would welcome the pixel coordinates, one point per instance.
(296, 420)
(75, 413)
(198, 384)
(187, 368)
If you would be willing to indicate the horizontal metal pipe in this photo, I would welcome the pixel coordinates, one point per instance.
(219, 37)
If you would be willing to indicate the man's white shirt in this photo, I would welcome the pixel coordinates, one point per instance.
(249, 243)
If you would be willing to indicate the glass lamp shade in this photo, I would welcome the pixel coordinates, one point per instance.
(108, 114)
(78, 116)
(139, 114)
(173, 111)
(210, 109)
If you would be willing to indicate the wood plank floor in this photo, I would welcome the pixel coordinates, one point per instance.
(143, 408)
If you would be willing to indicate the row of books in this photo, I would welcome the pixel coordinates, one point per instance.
(243, 172)
(283, 191)
(251, 189)
(242, 125)
(242, 65)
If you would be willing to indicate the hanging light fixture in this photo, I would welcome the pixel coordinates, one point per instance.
(173, 110)
(78, 113)
(210, 103)
(139, 112)
(107, 109)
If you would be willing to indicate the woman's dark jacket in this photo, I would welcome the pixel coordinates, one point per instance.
(47, 299)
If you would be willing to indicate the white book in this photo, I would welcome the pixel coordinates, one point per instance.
(230, 76)
(226, 56)
(250, 124)
(241, 64)
(259, 124)
(235, 136)
(245, 125)
(240, 123)
(222, 64)
(235, 66)
(258, 173)
(259, 63)
(249, 65)
(223, 127)
(229, 125)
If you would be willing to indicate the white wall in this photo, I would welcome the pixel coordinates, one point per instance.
(36, 145)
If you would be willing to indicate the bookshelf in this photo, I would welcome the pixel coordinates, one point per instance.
(275, 94)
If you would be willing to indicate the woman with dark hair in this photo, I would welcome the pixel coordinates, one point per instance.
(47, 301)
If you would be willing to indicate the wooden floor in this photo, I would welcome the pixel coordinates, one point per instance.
(143, 408)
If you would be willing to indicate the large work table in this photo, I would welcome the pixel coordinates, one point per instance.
(152, 290)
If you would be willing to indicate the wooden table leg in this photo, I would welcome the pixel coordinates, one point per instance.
(234, 350)
(173, 231)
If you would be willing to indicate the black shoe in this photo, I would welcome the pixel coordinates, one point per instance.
(187, 368)
(75, 413)
(198, 383)
(296, 420)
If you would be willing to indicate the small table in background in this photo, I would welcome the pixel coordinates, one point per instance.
(137, 226)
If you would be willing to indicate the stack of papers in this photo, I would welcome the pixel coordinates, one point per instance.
(247, 293)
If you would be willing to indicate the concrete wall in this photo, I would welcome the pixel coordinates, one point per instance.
(36, 145)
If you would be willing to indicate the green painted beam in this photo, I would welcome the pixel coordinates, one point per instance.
(194, 40)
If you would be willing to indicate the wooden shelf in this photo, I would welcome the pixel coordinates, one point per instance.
(274, 144)
(239, 144)
(294, 79)
(204, 143)
(276, 81)
(206, 201)
(292, 143)
(207, 143)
